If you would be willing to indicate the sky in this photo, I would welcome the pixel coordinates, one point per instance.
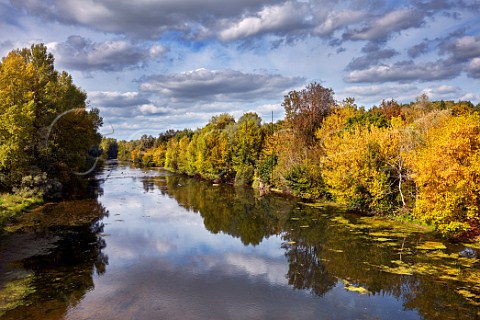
(154, 65)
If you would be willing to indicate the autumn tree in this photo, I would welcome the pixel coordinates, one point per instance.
(305, 110)
(246, 146)
(447, 174)
(45, 125)
(17, 115)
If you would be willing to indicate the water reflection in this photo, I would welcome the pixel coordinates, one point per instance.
(234, 211)
(324, 252)
(47, 265)
(180, 248)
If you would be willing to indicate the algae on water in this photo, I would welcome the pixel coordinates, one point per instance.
(13, 293)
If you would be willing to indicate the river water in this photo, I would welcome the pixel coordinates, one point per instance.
(154, 245)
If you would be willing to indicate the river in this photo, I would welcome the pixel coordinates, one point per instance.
(154, 245)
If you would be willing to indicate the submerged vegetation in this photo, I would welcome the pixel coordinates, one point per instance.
(417, 161)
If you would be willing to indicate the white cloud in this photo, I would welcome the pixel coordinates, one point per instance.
(444, 92)
(152, 109)
(116, 99)
(406, 71)
(384, 25)
(224, 85)
(474, 97)
(140, 19)
(130, 56)
(279, 18)
(473, 69)
(82, 54)
(463, 48)
(337, 20)
(374, 94)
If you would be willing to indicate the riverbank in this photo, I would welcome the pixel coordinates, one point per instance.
(13, 205)
(405, 218)
(224, 243)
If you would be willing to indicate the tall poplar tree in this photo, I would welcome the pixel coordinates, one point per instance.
(44, 123)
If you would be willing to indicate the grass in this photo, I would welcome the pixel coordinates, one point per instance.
(12, 205)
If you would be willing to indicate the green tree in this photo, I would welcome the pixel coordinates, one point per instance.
(246, 147)
(44, 122)
(213, 148)
(109, 147)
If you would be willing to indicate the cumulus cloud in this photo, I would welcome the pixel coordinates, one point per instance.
(337, 20)
(151, 109)
(373, 55)
(381, 27)
(117, 99)
(82, 54)
(374, 90)
(418, 49)
(473, 69)
(239, 20)
(462, 48)
(283, 18)
(379, 46)
(375, 93)
(443, 92)
(225, 85)
(118, 104)
(148, 19)
(406, 71)
(470, 97)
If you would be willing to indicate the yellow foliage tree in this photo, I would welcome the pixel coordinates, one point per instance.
(17, 107)
(159, 156)
(356, 170)
(447, 174)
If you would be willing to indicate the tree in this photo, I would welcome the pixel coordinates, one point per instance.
(44, 123)
(17, 115)
(213, 148)
(447, 175)
(109, 147)
(354, 169)
(246, 147)
(305, 110)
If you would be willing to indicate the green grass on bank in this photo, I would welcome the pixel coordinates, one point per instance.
(11, 205)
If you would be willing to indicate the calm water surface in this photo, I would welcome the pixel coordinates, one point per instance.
(153, 245)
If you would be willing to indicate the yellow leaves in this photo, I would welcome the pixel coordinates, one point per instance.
(347, 285)
(447, 172)
(158, 156)
(334, 123)
(397, 122)
(431, 245)
(355, 163)
(135, 155)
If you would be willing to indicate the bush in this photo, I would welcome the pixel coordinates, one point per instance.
(244, 175)
(265, 168)
(305, 181)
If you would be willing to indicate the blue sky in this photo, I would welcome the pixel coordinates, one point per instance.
(153, 65)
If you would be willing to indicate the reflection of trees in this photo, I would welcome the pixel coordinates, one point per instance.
(63, 276)
(435, 299)
(234, 211)
(306, 271)
(326, 251)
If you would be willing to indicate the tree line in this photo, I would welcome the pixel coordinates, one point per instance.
(48, 138)
(419, 160)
